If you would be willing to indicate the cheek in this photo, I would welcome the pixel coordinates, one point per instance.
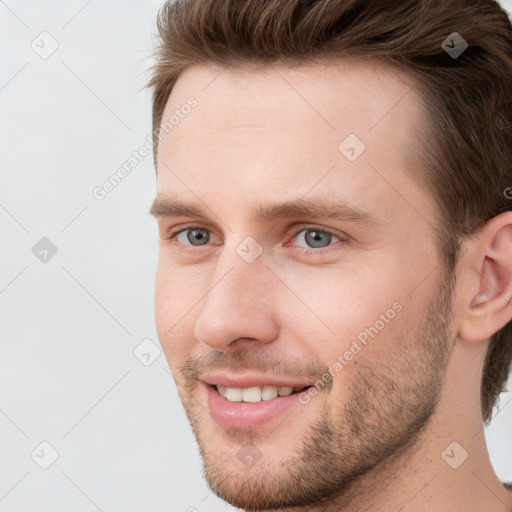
(342, 313)
(163, 299)
(174, 300)
(176, 290)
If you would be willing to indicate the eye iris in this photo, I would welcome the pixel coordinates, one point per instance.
(197, 235)
(314, 238)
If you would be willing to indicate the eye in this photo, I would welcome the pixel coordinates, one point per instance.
(314, 238)
(194, 236)
(309, 238)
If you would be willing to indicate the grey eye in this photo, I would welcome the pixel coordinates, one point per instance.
(317, 239)
(201, 236)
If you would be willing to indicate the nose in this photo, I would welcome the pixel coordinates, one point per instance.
(238, 309)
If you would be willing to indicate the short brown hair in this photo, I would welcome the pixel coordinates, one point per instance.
(465, 147)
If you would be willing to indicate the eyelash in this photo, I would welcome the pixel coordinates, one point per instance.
(190, 248)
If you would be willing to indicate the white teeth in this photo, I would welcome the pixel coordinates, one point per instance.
(255, 394)
(252, 395)
(234, 394)
(285, 391)
(269, 392)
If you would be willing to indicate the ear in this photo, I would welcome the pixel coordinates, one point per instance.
(487, 305)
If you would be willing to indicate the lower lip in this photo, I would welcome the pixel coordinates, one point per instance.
(244, 415)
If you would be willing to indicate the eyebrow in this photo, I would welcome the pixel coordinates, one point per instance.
(164, 207)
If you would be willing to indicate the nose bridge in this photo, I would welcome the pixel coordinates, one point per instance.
(238, 303)
(242, 273)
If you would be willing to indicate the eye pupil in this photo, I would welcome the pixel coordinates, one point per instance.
(314, 238)
(197, 235)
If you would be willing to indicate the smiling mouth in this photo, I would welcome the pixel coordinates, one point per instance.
(255, 394)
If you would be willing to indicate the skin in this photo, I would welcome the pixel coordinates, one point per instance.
(373, 438)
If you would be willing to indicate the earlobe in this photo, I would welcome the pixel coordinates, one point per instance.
(490, 308)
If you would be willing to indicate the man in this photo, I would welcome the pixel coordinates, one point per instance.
(334, 283)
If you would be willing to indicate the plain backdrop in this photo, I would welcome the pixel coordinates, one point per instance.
(77, 274)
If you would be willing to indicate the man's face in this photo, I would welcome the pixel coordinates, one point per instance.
(286, 296)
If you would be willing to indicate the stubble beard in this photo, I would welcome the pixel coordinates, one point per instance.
(391, 402)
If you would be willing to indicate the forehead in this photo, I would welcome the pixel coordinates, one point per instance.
(288, 128)
(336, 96)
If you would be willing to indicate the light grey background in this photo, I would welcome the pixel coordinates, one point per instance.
(69, 326)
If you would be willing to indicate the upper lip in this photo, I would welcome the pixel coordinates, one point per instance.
(249, 381)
